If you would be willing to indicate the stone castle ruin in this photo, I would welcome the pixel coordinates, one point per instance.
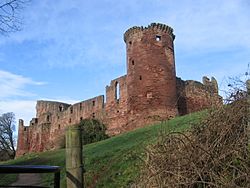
(149, 93)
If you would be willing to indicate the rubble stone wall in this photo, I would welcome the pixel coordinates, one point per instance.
(150, 92)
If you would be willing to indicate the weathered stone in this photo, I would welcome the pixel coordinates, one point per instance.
(149, 93)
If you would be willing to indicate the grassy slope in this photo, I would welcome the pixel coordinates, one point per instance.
(110, 163)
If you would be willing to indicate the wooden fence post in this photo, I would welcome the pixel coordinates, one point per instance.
(248, 110)
(74, 162)
(248, 89)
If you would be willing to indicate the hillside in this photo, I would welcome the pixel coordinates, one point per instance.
(110, 163)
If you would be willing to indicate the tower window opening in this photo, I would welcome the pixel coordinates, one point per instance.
(80, 106)
(60, 108)
(59, 126)
(130, 42)
(158, 38)
(133, 62)
(117, 91)
(93, 115)
(81, 118)
(140, 77)
(93, 103)
(48, 118)
(71, 110)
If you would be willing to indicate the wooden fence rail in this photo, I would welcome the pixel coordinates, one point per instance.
(20, 169)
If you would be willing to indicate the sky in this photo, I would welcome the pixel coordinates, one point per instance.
(70, 50)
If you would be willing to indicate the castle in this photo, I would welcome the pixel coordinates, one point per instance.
(149, 93)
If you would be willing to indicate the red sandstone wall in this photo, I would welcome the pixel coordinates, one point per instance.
(71, 114)
(22, 142)
(147, 94)
(38, 138)
(46, 130)
(151, 78)
(44, 107)
(116, 106)
(194, 96)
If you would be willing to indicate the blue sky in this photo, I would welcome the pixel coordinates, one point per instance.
(70, 50)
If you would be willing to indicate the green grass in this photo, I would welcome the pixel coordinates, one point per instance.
(114, 162)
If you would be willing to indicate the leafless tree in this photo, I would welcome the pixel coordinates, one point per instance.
(10, 19)
(7, 127)
(236, 89)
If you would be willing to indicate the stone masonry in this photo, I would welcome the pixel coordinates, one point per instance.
(149, 93)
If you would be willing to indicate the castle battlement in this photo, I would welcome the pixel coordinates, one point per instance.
(149, 93)
(153, 26)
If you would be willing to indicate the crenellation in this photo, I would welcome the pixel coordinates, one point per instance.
(34, 121)
(211, 85)
(20, 123)
(214, 85)
(150, 92)
(154, 26)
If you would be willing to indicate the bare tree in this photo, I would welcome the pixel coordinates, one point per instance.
(7, 127)
(236, 89)
(10, 20)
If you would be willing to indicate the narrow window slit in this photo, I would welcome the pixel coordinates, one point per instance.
(158, 38)
(117, 91)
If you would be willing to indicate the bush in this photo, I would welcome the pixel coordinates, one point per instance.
(212, 154)
(93, 131)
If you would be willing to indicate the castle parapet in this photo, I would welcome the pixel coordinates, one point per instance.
(211, 85)
(154, 26)
(43, 107)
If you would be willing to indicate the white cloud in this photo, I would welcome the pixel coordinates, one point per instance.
(23, 109)
(14, 85)
(13, 88)
(26, 109)
(212, 26)
(73, 34)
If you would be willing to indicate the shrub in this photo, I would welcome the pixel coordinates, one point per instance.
(93, 131)
(214, 153)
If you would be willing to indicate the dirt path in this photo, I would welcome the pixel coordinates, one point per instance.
(28, 179)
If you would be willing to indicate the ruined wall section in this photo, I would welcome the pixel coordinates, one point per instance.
(22, 142)
(47, 123)
(46, 130)
(151, 77)
(38, 137)
(149, 93)
(116, 106)
(61, 115)
(194, 96)
(33, 138)
(46, 108)
(91, 108)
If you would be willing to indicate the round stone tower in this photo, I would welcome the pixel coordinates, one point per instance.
(151, 76)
